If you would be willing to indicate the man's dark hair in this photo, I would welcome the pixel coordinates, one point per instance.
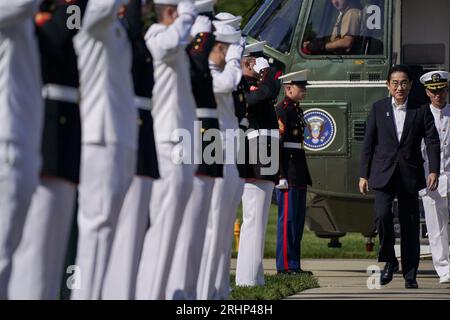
(400, 68)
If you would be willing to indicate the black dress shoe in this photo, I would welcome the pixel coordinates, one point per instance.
(388, 272)
(411, 284)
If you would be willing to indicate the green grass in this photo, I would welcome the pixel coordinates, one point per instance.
(277, 287)
(353, 244)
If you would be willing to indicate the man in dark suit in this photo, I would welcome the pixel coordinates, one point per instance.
(391, 163)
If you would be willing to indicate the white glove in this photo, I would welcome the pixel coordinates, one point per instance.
(235, 51)
(202, 24)
(261, 63)
(187, 7)
(243, 41)
(282, 185)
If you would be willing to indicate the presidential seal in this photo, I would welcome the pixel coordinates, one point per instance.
(320, 130)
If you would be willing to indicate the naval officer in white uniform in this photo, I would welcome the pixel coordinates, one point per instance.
(436, 203)
(109, 138)
(173, 110)
(21, 120)
(227, 73)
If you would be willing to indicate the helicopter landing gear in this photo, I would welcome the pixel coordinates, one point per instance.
(334, 243)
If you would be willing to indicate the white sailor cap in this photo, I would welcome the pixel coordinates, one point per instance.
(227, 34)
(254, 49)
(435, 80)
(297, 77)
(167, 2)
(229, 19)
(205, 5)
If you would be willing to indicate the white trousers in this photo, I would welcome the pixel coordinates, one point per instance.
(39, 261)
(255, 207)
(214, 277)
(134, 220)
(436, 217)
(106, 174)
(170, 195)
(185, 268)
(19, 177)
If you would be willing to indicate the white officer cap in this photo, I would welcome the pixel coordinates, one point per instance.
(205, 5)
(435, 80)
(297, 77)
(254, 48)
(227, 34)
(229, 19)
(167, 2)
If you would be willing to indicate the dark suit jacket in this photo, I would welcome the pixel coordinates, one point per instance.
(382, 152)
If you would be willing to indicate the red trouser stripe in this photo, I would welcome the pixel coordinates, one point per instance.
(285, 230)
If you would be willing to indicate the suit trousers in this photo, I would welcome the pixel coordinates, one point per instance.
(134, 221)
(19, 177)
(255, 208)
(39, 260)
(106, 174)
(214, 277)
(185, 268)
(408, 211)
(168, 202)
(291, 223)
(436, 216)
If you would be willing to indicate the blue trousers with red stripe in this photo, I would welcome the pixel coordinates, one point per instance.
(291, 222)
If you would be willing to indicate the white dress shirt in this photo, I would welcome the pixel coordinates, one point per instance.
(399, 112)
(108, 111)
(21, 106)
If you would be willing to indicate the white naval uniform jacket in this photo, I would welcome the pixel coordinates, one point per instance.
(442, 123)
(225, 82)
(21, 106)
(173, 101)
(108, 112)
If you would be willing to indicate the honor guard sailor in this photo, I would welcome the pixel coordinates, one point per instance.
(134, 219)
(436, 203)
(109, 138)
(226, 72)
(21, 118)
(173, 110)
(188, 252)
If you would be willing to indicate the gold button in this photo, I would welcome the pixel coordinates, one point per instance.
(62, 120)
(291, 156)
(203, 130)
(140, 122)
(196, 47)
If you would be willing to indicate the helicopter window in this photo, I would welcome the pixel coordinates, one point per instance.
(277, 24)
(345, 27)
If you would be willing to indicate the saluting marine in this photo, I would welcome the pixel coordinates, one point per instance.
(50, 216)
(21, 118)
(134, 219)
(436, 203)
(294, 174)
(188, 252)
(260, 97)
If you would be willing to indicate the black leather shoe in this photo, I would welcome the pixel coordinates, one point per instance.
(411, 284)
(388, 272)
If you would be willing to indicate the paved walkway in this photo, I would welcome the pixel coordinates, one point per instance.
(348, 279)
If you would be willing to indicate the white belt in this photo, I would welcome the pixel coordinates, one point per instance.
(207, 113)
(293, 145)
(143, 103)
(244, 122)
(60, 93)
(275, 133)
